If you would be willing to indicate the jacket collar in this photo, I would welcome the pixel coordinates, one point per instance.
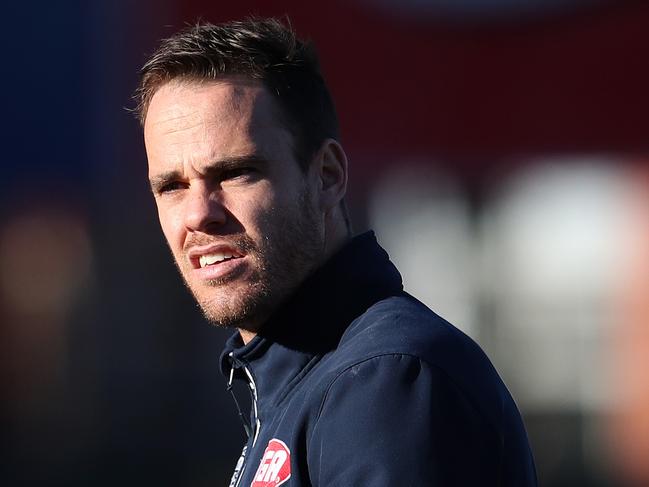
(312, 321)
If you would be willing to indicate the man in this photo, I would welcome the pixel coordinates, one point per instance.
(354, 382)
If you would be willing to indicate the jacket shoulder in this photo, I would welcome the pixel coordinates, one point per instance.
(400, 362)
(402, 325)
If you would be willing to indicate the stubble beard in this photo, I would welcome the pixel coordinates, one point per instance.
(290, 250)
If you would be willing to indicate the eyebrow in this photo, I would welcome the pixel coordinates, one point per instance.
(213, 169)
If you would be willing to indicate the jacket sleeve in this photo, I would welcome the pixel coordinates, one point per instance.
(394, 420)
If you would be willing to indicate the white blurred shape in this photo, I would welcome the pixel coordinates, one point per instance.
(557, 229)
(552, 244)
(422, 220)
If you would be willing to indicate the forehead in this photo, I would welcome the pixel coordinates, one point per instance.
(212, 119)
(180, 104)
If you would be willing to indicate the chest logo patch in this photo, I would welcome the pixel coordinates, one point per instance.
(275, 466)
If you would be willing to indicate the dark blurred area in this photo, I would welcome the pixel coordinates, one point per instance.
(499, 148)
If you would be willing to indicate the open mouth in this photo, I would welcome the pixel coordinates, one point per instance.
(213, 256)
(216, 258)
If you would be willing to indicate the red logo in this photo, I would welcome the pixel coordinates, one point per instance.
(275, 466)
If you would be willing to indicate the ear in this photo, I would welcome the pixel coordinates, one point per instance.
(330, 165)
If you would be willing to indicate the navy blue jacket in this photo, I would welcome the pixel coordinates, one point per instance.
(356, 383)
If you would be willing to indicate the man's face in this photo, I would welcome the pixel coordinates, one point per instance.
(239, 215)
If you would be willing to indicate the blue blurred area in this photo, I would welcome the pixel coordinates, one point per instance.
(108, 373)
(43, 80)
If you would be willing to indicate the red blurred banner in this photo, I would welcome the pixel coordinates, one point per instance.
(563, 82)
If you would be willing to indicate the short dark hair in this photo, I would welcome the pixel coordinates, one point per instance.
(263, 49)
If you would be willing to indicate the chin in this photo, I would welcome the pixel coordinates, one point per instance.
(240, 308)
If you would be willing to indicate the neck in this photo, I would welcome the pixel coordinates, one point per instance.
(246, 335)
(336, 233)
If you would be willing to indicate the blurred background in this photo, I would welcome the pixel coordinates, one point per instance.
(499, 148)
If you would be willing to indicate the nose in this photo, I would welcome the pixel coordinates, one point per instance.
(204, 210)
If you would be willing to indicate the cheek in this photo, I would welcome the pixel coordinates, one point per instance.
(171, 226)
(278, 218)
(253, 209)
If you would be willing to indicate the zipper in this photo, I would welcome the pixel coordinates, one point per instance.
(253, 388)
(241, 466)
(242, 417)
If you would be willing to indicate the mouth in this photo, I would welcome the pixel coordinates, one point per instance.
(216, 258)
(213, 256)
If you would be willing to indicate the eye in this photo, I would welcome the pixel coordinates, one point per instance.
(170, 187)
(237, 173)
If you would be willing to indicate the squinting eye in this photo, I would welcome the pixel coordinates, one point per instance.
(170, 187)
(237, 173)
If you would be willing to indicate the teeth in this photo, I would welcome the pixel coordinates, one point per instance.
(210, 259)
